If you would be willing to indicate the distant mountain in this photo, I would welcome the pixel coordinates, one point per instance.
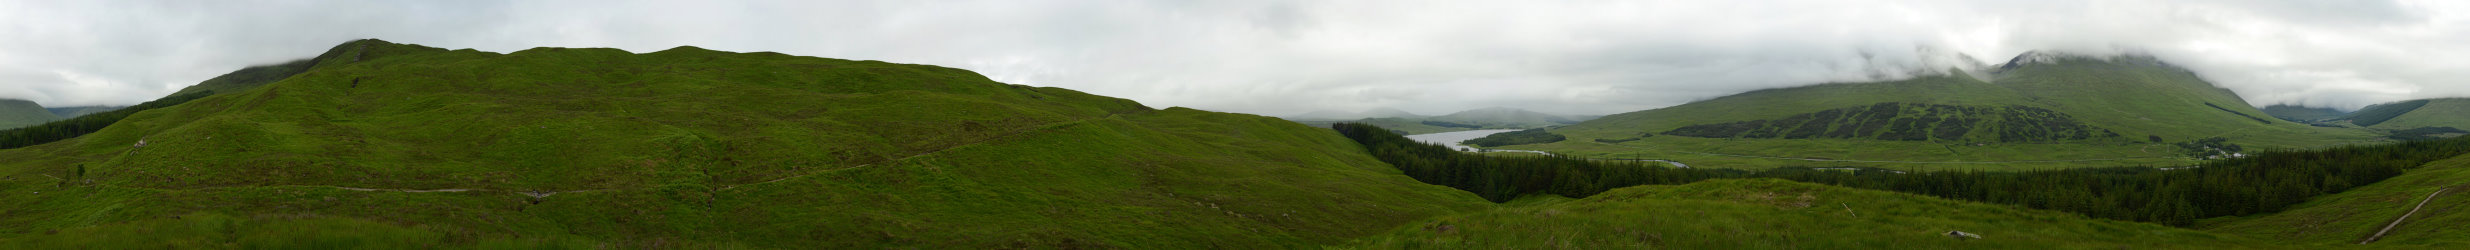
(1484, 118)
(1501, 117)
(2039, 106)
(19, 113)
(2302, 113)
(1333, 115)
(73, 112)
(1388, 113)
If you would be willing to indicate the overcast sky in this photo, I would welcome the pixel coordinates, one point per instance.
(1288, 57)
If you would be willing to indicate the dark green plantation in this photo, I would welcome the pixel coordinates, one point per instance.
(1911, 122)
(82, 125)
(1529, 136)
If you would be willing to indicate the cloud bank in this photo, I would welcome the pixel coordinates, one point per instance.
(1287, 57)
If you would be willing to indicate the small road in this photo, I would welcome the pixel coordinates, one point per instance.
(2388, 227)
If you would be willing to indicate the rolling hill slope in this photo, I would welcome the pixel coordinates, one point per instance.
(2039, 111)
(2302, 113)
(2440, 112)
(19, 113)
(695, 148)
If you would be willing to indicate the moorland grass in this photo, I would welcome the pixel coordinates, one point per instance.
(696, 148)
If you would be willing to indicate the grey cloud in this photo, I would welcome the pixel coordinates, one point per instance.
(1286, 57)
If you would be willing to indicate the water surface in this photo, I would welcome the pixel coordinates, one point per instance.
(1452, 138)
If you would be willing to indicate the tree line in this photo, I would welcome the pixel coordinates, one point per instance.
(1500, 179)
(86, 124)
(1521, 137)
(2260, 183)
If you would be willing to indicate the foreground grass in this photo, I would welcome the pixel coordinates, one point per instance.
(1769, 213)
(691, 148)
(2345, 218)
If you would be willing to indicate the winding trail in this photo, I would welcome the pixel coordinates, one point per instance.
(2388, 227)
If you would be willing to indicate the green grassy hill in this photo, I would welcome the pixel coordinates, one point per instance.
(20, 113)
(381, 143)
(2056, 111)
(2440, 112)
(1769, 213)
(2351, 216)
(2302, 113)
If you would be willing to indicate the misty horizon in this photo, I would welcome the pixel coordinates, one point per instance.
(1283, 58)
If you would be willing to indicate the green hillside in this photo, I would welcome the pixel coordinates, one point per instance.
(2055, 111)
(1778, 214)
(387, 144)
(2302, 113)
(19, 113)
(2440, 112)
(2143, 96)
(2351, 216)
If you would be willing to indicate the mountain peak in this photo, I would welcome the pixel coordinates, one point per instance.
(2037, 57)
(366, 49)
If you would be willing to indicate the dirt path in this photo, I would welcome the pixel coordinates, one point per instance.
(2388, 228)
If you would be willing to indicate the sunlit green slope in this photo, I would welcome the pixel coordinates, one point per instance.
(693, 148)
(2139, 95)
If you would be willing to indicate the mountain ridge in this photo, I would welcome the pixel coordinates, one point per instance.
(696, 148)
